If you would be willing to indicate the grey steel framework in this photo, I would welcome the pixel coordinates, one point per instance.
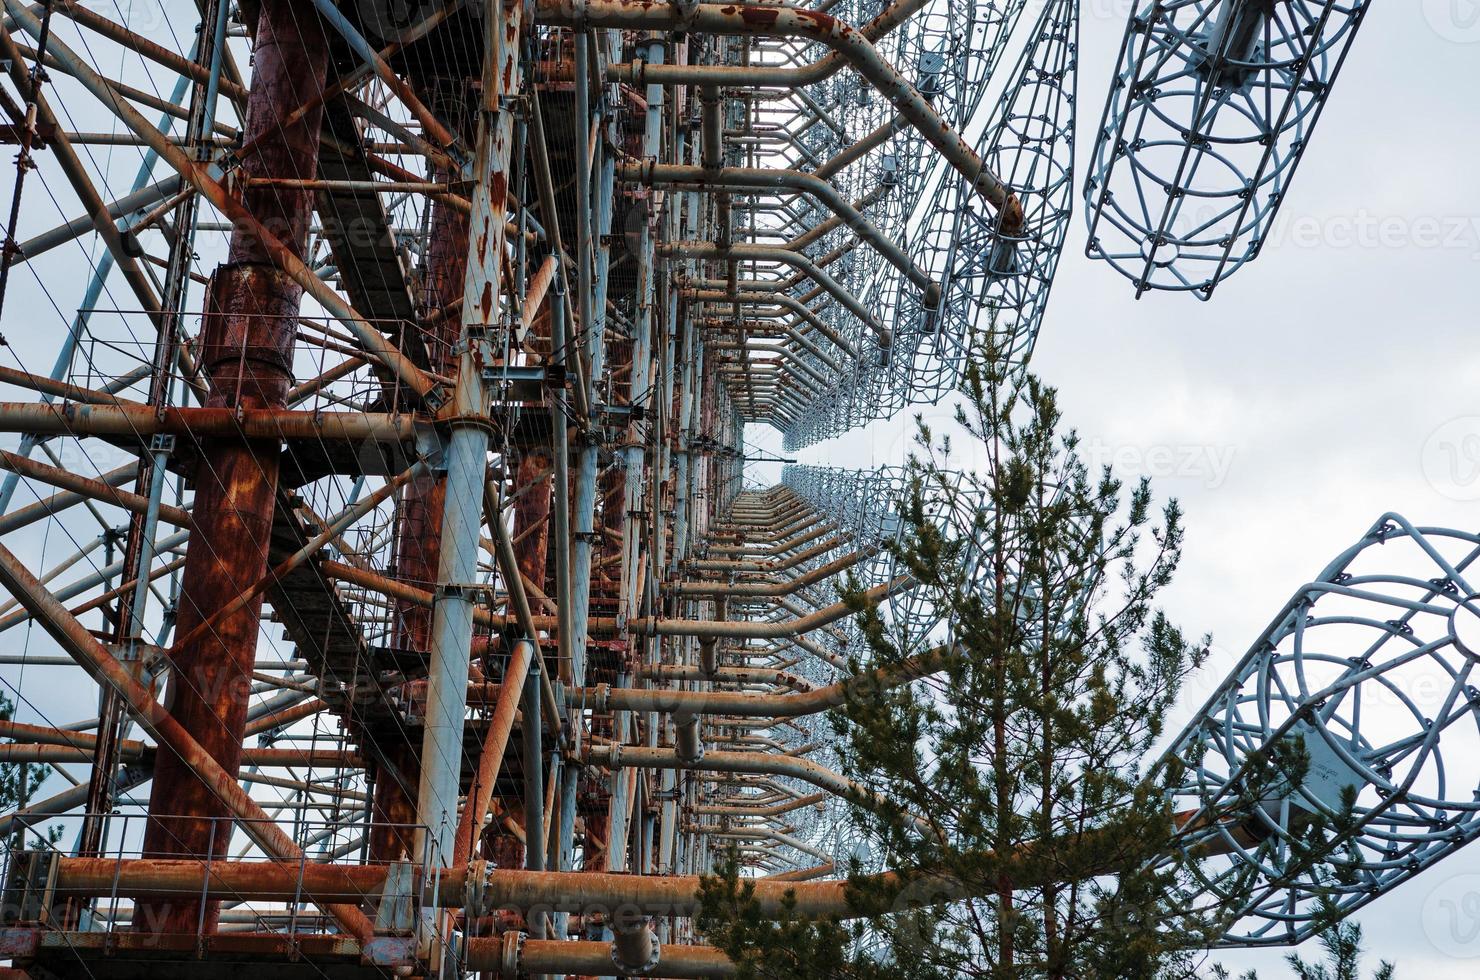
(1212, 107)
(381, 589)
(1371, 668)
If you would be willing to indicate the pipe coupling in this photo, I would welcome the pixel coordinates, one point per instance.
(688, 744)
(636, 950)
(511, 956)
(475, 889)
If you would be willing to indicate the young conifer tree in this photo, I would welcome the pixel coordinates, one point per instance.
(1023, 765)
(19, 780)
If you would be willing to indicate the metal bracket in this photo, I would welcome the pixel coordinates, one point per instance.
(396, 911)
(473, 592)
(29, 888)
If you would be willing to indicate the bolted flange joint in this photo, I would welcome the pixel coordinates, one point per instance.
(636, 950)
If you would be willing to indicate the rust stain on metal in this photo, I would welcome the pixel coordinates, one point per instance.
(246, 341)
(485, 301)
(760, 16)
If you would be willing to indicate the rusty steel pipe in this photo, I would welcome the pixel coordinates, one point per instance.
(534, 294)
(587, 958)
(728, 675)
(797, 260)
(598, 625)
(847, 41)
(559, 891)
(61, 389)
(87, 487)
(769, 810)
(780, 331)
(760, 76)
(753, 297)
(78, 11)
(820, 229)
(131, 750)
(743, 179)
(71, 419)
(606, 698)
(807, 529)
(775, 565)
(93, 657)
(744, 763)
(491, 757)
(766, 630)
(764, 590)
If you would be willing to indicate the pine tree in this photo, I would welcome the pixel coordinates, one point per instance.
(18, 781)
(1025, 756)
(1342, 943)
(785, 947)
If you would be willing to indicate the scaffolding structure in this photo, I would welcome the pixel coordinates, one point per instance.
(382, 591)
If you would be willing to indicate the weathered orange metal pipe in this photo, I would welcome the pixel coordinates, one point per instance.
(550, 891)
(86, 486)
(597, 625)
(214, 421)
(583, 958)
(605, 697)
(247, 352)
(93, 657)
(491, 758)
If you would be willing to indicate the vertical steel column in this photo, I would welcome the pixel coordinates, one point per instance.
(417, 553)
(563, 840)
(693, 357)
(633, 460)
(594, 329)
(560, 476)
(139, 547)
(103, 779)
(246, 342)
(634, 451)
(534, 777)
(483, 312)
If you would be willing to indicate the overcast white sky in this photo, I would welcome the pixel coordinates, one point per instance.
(1314, 392)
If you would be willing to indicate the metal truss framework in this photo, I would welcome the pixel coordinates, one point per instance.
(1370, 668)
(395, 448)
(1213, 105)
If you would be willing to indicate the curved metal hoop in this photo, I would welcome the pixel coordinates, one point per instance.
(1369, 669)
(1212, 107)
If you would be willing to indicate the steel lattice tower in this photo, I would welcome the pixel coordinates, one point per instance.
(381, 583)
